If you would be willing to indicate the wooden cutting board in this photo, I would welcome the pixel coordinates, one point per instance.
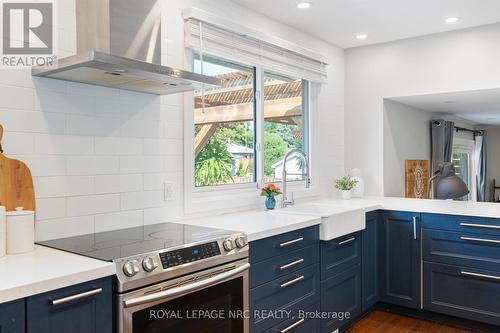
(16, 183)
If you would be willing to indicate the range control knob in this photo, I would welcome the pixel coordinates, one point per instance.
(149, 264)
(131, 268)
(241, 242)
(228, 244)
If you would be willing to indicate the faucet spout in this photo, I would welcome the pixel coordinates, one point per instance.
(284, 199)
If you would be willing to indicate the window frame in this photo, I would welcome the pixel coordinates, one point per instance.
(463, 145)
(193, 194)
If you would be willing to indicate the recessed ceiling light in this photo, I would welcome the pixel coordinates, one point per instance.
(304, 5)
(452, 20)
(449, 102)
(361, 36)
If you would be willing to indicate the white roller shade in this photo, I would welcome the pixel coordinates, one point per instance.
(237, 46)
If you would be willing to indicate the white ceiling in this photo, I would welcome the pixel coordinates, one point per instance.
(339, 21)
(480, 107)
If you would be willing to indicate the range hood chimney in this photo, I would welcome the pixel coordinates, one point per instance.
(119, 46)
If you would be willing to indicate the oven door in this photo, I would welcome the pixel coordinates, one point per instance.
(213, 300)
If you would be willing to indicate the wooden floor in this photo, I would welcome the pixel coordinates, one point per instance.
(386, 322)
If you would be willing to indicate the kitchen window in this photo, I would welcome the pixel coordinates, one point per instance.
(227, 129)
(462, 160)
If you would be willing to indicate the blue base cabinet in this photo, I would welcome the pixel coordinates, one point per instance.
(371, 261)
(341, 299)
(83, 308)
(401, 259)
(12, 317)
(340, 281)
(284, 281)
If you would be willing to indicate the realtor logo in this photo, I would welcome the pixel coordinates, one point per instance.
(28, 33)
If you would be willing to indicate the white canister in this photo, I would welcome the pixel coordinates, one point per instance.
(359, 189)
(20, 231)
(3, 231)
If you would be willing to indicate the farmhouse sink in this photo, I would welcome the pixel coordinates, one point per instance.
(337, 219)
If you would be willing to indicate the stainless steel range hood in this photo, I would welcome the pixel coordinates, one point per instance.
(119, 46)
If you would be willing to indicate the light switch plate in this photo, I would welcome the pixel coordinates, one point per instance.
(168, 191)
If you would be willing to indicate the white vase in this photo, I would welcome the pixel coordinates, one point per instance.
(359, 189)
(346, 195)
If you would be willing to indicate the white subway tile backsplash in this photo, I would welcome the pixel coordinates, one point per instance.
(49, 187)
(32, 121)
(65, 227)
(140, 200)
(92, 165)
(63, 144)
(14, 97)
(141, 164)
(44, 165)
(17, 143)
(118, 183)
(112, 221)
(118, 146)
(93, 204)
(50, 208)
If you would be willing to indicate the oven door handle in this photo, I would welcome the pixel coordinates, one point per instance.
(184, 289)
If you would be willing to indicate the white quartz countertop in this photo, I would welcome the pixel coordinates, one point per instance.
(46, 269)
(257, 224)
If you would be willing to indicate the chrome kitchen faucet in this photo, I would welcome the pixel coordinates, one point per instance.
(284, 199)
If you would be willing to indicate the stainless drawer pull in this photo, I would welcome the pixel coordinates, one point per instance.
(414, 227)
(480, 240)
(347, 241)
(289, 283)
(293, 241)
(291, 327)
(486, 276)
(76, 297)
(291, 264)
(480, 226)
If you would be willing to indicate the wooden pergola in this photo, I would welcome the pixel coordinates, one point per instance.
(234, 103)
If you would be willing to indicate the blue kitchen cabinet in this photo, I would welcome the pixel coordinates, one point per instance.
(401, 265)
(83, 308)
(370, 260)
(284, 275)
(12, 317)
(341, 297)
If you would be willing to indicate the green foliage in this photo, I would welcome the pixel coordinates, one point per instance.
(275, 148)
(214, 163)
(345, 183)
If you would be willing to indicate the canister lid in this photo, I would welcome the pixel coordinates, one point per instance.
(20, 212)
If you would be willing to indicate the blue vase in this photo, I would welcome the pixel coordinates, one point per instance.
(270, 202)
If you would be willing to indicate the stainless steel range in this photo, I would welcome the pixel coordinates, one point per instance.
(173, 277)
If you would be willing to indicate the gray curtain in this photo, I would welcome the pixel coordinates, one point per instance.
(441, 142)
(481, 165)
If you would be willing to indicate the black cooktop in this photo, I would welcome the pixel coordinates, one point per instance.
(116, 244)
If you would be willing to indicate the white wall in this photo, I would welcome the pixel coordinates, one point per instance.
(406, 137)
(99, 156)
(493, 157)
(453, 61)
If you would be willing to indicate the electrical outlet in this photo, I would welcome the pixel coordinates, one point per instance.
(168, 191)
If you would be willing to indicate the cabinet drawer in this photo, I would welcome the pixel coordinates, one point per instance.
(297, 290)
(471, 224)
(280, 244)
(463, 249)
(12, 317)
(83, 308)
(339, 254)
(298, 322)
(462, 292)
(341, 295)
(276, 267)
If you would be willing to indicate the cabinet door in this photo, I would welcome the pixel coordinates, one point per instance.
(462, 292)
(370, 282)
(401, 273)
(12, 317)
(341, 297)
(84, 308)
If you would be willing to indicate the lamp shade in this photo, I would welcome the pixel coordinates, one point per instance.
(451, 187)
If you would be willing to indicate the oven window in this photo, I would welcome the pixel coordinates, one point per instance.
(217, 309)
